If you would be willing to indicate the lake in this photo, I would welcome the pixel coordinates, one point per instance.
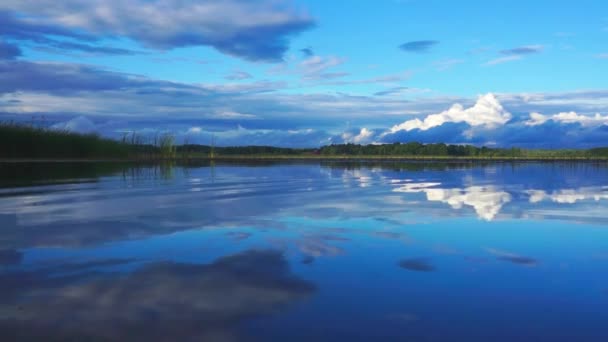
(319, 251)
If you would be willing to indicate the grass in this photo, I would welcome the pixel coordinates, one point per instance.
(22, 141)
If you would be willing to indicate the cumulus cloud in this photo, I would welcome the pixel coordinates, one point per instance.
(567, 118)
(487, 112)
(363, 136)
(418, 46)
(253, 30)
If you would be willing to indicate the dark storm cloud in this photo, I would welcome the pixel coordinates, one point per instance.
(418, 46)
(256, 31)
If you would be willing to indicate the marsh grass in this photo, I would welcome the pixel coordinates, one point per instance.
(25, 141)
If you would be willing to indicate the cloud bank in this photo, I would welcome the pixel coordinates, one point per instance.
(251, 111)
(252, 30)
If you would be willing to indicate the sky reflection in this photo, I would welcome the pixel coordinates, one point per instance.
(324, 251)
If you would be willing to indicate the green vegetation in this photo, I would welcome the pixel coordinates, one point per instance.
(21, 141)
(418, 150)
(27, 142)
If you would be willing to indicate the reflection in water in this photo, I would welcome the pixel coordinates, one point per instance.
(512, 257)
(188, 252)
(419, 265)
(161, 301)
(10, 257)
(486, 201)
(569, 196)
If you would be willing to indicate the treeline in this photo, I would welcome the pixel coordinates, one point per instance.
(415, 149)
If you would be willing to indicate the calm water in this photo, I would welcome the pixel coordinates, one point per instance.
(408, 252)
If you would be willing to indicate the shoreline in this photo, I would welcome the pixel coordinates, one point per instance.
(306, 158)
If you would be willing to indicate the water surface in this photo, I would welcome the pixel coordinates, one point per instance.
(304, 251)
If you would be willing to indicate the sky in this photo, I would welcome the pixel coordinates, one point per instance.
(307, 73)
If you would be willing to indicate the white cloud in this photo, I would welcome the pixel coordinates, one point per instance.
(536, 119)
(447, 64)
(486, 201)
(568, 196)
(568, 117)
(501, 60)
(80, 124)
(195, 130)
(238, 75)
(230, 114)
(316, 66)
(364, 137)
(487, 112)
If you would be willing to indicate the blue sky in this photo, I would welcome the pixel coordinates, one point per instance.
(309, 73)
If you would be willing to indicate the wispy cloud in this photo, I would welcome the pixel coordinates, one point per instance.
(400, 91)
(501, 60)
(238, 75)
(418, 46)
(523, 50)
(307, 52)
(316, 67)
(447, 64)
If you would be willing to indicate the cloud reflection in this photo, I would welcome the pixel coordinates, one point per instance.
(486, 200)
(160, 301)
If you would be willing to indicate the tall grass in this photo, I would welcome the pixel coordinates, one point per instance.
(23, 141)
